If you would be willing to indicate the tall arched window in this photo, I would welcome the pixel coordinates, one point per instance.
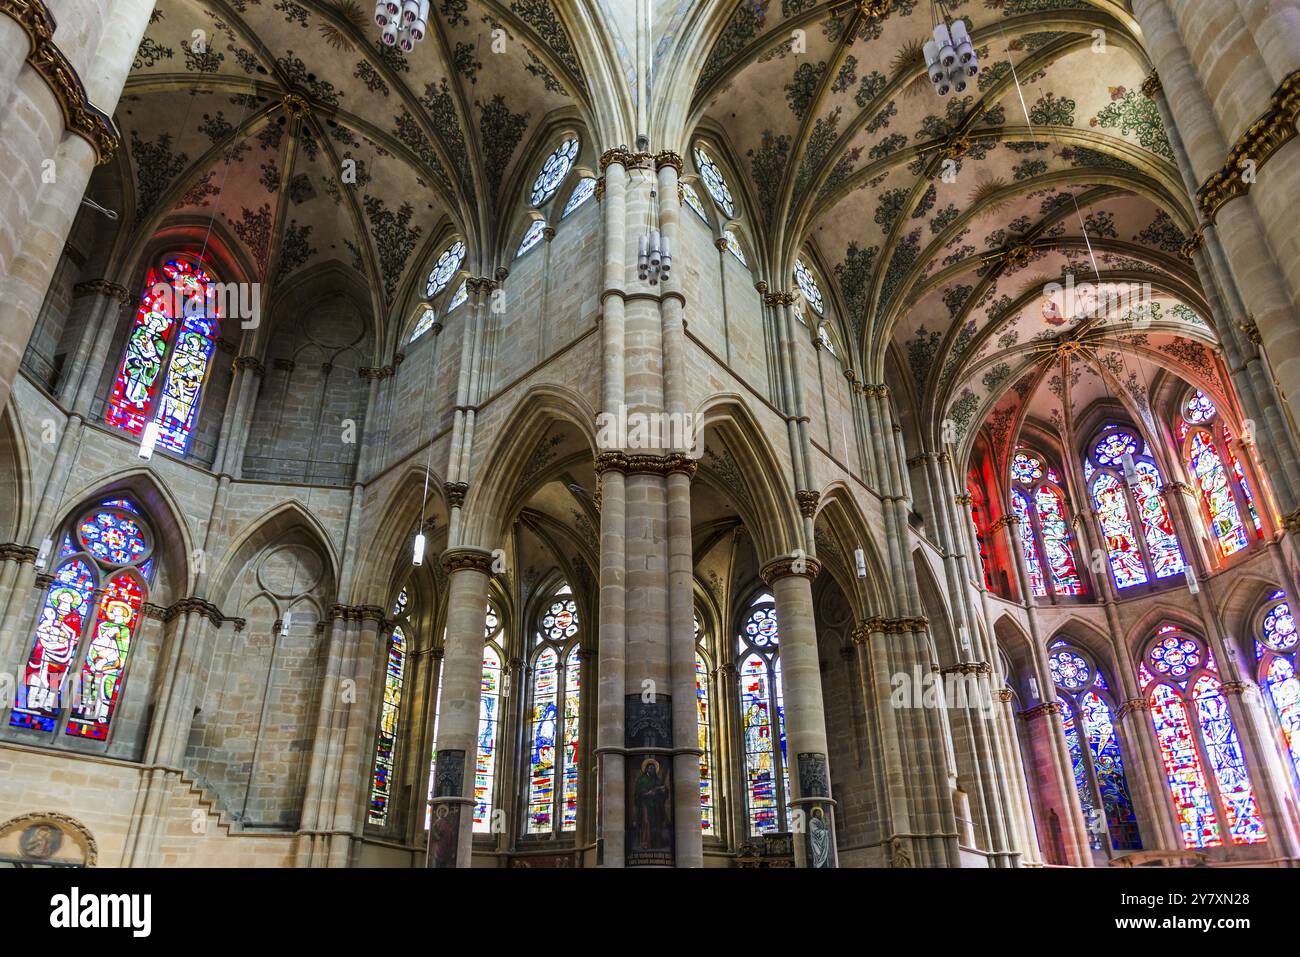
(1224, 490)
(1098, 767)
(585, 189)
(762, 720)
(444, 269)
(714, 181)
(1195, 731)
(555, 708)
(381, 777)
(489, 721)
(87, 624)
(1126, 485)
(553, 172)
(704, 712)
(165, 362)
(1044, 528)
(1276, 647)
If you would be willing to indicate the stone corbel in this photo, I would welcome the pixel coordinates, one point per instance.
(455, 492)
(471, 559)
(808, 499)
(1047, 707)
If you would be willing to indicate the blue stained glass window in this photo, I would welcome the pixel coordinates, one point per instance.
(555, 713)
(585, 189)
(381, 778)
(532, 237)
(762, 709)
(553, 172)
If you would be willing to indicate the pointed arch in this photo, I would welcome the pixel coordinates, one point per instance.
(274, 525)
(841, 519)
(495, 493)
(763, 501)
(15, 473)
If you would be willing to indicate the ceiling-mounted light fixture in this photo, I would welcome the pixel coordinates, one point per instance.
(950, 57)
(404, 22)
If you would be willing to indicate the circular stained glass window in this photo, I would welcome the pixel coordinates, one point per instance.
(445, 268)
(1069, 670)
(1026, 469)
(114, 537)
(761, 629)
(714, 181)
(1175, 655)
(1111, 447)
(1199, 408)
(1279, 628)
(808, 286)
(561, 621)
(554, 170)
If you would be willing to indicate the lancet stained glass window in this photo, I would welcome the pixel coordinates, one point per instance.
(1216, 494)
(381, 778)
(167, 355)
(1276, 651)
(1220, 478)
(532, 237)
(555, 712)
(553, 172)
(1039, 504)
(1195, 729)
(1094, 750)
(585, 189)
(489, 721)
(704, 715)
(1127, 489)
(84, 636)
(762, 718)
(693, 201)
(1033, 567)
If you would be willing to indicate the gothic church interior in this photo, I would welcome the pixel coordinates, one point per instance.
(649, 433)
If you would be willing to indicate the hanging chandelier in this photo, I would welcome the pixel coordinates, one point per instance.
(950, 56)
(404, 22)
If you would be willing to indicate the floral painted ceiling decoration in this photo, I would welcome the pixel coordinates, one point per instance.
(960, 231)
(304, 140)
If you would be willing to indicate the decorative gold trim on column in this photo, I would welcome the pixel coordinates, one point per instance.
(874, 8)
(635, 463)
(1047, 707)
(968, 668)
(1131, 705)
(80, 117)
(455, 492)
(1268, 134)
(787, 566)
(619, 154)
(1005, 695)
(1151, 85)
(808, 499)
(600, 189)
(1189, 249)
(460, 559)
(668, 158)
(891, 626)
(777, 298)
(1236, 687)
(964, 498)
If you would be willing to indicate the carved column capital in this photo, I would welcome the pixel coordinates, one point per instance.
(620, 155)
(455, 492)
(788, 566)
(472, 559)
(669, 158)
(1151, 85)
(808, 499)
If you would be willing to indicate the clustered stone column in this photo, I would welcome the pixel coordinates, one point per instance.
(451, 830)
(647, 737)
